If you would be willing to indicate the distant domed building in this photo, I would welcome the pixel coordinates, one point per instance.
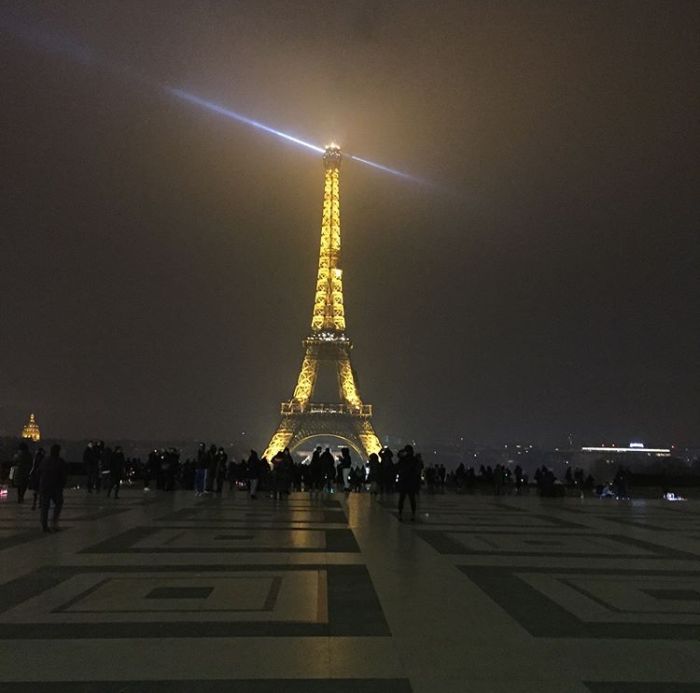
(31, 430)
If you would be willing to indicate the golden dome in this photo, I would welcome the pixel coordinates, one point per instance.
(31, 430)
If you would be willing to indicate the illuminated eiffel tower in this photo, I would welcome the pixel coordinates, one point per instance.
(349, 419)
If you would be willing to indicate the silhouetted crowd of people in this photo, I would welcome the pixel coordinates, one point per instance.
(212, 470)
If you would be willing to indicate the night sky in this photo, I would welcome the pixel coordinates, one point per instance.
(158, 260)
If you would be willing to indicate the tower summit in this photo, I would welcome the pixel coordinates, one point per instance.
(348, 419)
(329, 312)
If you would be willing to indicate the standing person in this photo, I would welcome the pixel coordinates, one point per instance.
(158, 472)
(254, 471)
(211, 469)
(442, 474)
(498, 479)
(345, 464)
(278, 464)
(91, 464)
(328, 468)
(373, 475)
(386, 471)
(221, 467)
(22, 465)
(316, 472)
(172, 456)
(200, 470)
(287, 472)
(116, 471)
(165, 468)
(53, 475)
(35, 474)
(408, 470)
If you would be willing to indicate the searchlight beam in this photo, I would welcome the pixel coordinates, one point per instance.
(53, 43)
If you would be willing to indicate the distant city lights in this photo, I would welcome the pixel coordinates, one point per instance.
(633, 447)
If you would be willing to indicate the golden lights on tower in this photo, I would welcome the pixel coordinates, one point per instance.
(349, 419)
(329, 311)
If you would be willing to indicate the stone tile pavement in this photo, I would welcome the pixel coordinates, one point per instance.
(175, 593)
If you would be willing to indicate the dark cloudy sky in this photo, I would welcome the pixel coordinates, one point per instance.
(158, 261)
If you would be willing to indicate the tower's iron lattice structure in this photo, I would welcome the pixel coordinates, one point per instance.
(349, 419)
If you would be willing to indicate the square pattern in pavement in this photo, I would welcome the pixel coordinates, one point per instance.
(171, 592)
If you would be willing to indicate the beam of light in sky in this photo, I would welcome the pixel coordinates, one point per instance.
(216, 108)
(387, 169)
(56, 44)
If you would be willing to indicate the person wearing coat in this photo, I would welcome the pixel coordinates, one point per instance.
(53, 474)
(316, 472)
(200, 470)
(254, 472)
(328, 467)
(387, 473)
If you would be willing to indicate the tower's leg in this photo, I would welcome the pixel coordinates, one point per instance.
(365, 432)
(307, 377)
(346, 382)
(284, 435)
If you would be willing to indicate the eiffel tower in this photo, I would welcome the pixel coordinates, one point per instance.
(348, 419)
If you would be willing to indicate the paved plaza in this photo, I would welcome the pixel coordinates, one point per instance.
(168, 592)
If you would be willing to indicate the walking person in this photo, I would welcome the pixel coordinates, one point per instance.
(52, 481)
(22, 466)
(408, 470)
